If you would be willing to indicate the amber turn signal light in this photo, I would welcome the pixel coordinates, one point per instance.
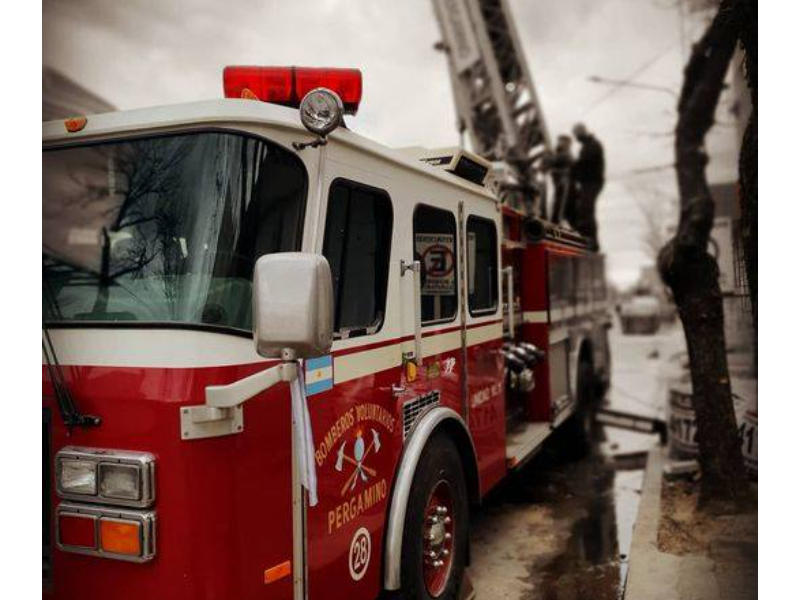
(75, 124)
(120, 537)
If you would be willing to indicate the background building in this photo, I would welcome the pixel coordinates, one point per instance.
(63, 97)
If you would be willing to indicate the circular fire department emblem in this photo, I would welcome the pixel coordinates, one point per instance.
(360, 550)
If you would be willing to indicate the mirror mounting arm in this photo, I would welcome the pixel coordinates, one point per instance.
(238, 392)
(222, 412)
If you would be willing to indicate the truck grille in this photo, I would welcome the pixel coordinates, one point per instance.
(47, 512)
(414, 409)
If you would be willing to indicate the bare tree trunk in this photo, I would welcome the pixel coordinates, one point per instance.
(692, 273)
(104, 276)
(748, 159)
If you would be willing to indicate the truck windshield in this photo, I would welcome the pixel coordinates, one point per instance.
(165, 229)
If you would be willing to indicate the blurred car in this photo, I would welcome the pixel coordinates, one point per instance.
(640, 314)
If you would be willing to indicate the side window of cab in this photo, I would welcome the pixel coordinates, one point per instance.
(482, 275)
(435, 248)
(357, 244)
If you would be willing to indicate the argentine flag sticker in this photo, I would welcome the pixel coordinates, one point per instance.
(319, 375)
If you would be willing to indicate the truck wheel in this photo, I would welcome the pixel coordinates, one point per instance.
(579, 428)
(602, 377)
(587, 400)
(436, 528)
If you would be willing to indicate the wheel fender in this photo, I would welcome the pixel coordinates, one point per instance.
(434, 420)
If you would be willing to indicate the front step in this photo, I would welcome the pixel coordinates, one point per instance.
(524, 441)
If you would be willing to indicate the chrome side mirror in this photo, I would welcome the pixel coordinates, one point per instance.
(292, 305)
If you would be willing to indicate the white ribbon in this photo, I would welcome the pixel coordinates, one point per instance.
(304, 440)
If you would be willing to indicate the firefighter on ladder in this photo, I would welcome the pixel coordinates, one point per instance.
(560, 167)
(577, 183)
(588, 175)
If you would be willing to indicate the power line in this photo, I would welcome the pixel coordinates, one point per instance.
(621, 84)
(641, 171)
(634, 84)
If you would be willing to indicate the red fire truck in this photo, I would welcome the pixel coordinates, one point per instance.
(281, 360)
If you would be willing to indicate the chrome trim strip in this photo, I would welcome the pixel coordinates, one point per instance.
(415, 444)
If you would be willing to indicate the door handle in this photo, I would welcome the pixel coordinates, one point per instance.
(509, 273)
(415, 267)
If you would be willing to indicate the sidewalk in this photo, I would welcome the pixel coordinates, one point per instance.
(712, 559)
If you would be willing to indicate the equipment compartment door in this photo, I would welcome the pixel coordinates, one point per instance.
(483, 339)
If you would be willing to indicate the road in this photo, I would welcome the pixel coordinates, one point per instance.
(561, 529)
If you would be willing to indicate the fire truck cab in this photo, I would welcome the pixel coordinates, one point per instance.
(454, 334)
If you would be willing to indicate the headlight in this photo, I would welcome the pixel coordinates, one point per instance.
(120, 481)
(321, 111)
(124, 478)
(77, 476)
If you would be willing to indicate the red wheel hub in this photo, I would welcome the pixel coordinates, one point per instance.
(438, 537)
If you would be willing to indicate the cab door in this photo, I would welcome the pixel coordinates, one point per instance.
(350, 393)
(485, 383)
(437, 377)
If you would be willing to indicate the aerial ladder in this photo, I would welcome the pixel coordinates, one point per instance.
(496, 101)
(497, 105)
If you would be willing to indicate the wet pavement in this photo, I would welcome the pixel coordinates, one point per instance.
(561, 528)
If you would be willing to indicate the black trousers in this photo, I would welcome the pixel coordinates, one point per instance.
(585, 218)
(563, 207)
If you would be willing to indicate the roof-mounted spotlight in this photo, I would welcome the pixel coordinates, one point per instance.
(321, 111)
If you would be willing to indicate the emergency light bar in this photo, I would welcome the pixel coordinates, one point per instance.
(288, 86)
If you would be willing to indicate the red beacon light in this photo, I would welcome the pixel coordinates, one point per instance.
(287, 86)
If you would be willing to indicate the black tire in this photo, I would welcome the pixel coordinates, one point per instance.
(602, 381)
(440, 461)
(579, 428)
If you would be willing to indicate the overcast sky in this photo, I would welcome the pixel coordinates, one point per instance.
(138, 53)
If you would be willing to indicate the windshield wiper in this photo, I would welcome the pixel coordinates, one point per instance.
(70, 414)
(67, 408)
